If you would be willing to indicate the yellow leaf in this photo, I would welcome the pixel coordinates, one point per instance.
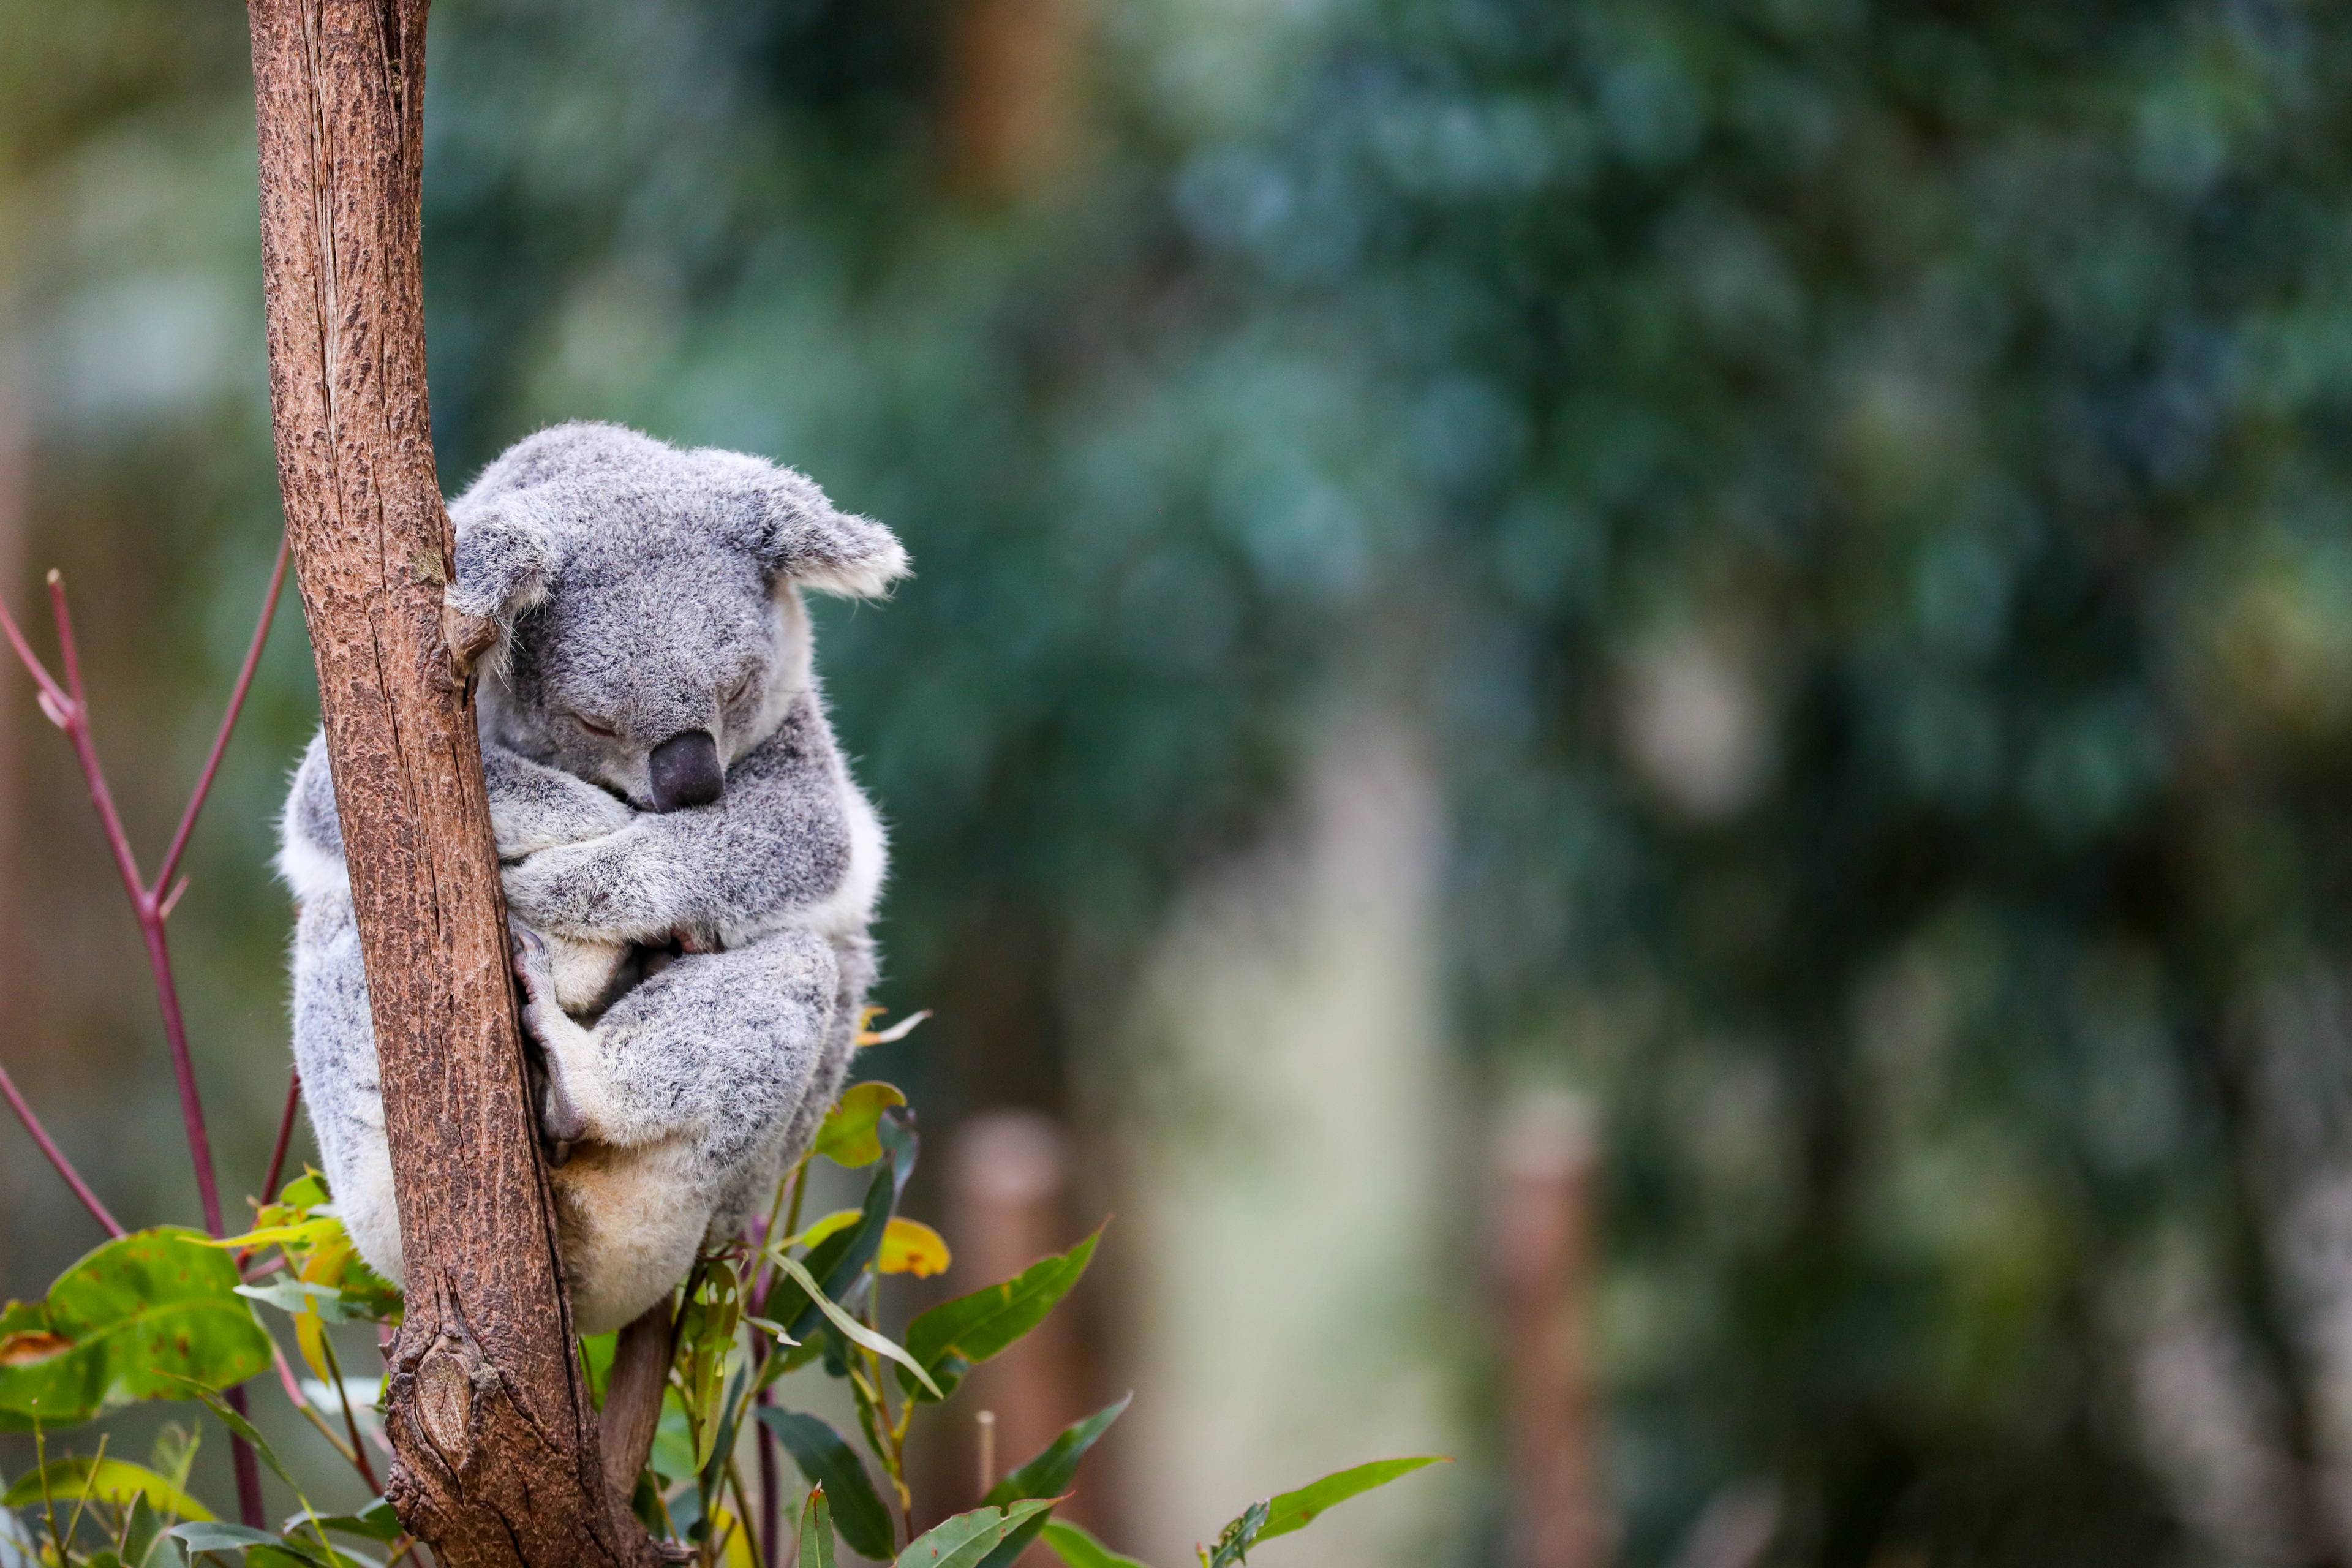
(115, 1482)
(848, 1136)
(326, 1265)
(737, 1553)
(910, 1247)
(839, 1220)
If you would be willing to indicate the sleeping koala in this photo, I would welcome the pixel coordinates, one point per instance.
(689, 869)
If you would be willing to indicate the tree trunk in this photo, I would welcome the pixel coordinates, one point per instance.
(489, 1416)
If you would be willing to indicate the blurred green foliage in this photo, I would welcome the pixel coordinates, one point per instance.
(1852, 495)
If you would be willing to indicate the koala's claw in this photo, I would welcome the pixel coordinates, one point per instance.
(560, 1121)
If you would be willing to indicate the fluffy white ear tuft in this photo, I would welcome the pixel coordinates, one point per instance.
(805, 538)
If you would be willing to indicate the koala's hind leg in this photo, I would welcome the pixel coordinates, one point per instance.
(715, 1052)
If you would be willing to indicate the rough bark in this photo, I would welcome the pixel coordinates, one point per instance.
(489, 1416)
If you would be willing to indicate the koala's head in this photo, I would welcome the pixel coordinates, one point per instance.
(646, 598)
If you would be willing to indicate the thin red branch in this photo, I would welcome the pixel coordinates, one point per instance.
(285, 1136)
(76, 729)
(57, 1155)
(245, 674)
(33, 665)
(69, 708)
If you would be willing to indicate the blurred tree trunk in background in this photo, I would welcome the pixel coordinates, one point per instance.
(487, 1411)
(1286, 1183)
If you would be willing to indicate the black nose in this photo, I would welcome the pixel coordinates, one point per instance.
(686, 772)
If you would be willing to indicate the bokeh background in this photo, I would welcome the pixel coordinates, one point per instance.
(1634, 718)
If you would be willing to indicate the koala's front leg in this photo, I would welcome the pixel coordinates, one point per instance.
(631, 886)
(535, 808)
(793, 842)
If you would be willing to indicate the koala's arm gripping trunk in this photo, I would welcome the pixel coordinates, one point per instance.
(490, 1417)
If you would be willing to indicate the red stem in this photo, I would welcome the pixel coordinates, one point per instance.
(69, 709)
(57, 1155)
(770, 1542)
(285, 1136)
(76, 729)
(228, 722)
(145, 907)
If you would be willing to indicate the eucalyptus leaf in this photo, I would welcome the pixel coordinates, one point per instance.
(967, 1540)
(1234, 1541)
(219, 1535)
(1049, 1474)
(245, 1429)
(956, 1336)
(374, 1523)
(297, 1297)
(1077, 1549)
(838, 1261)
(115, 1482)
(129, 1321)
(1297, 1509)
(828, 1461)
(817, 1531)
(856, 1332)
(848, 1135)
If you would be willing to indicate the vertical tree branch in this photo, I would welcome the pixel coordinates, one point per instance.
(489, 1419)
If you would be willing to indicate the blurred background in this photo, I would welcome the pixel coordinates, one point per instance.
(1633, 719)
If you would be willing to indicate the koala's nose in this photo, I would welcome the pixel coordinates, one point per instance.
(686, 772)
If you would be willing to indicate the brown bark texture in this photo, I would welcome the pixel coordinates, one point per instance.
(489, 1416)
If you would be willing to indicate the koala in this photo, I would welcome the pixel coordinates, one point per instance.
(689, 869)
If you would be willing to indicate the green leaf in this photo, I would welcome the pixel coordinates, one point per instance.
(245, 1429)
(967, 1540)
(141, 1532)
(1238, 1537)
(1056, 1466)
(298, 1295)
(175, 1454)
(1017, 1538)
(706, 1342)
(128, 1323)
(840, 1258)
(856, 1333)
(825, 1229)
(829, 1462)
(1298, 1510)
(374, 1523)
(218, 1535)
(674, 1439)
(848, 1136)
(286, 1554)
(117, 1482)
(596, 1363)
(1077, 1549)
(817, 1531)
(956, 1336)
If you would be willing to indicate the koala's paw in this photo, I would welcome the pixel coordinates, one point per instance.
(560, 1124)
(559, 889)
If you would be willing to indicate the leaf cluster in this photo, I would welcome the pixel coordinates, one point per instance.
(171, 1314)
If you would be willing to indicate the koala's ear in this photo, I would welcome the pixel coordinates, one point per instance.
(506, 557)
(805, 537)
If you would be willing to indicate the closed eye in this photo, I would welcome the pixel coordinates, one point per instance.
(594, 728)
(743, 688)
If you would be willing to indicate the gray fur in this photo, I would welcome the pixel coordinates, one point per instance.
(646, 591)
